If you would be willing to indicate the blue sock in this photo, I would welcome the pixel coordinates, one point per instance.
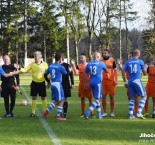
(131, 107)
(91, 108)
(59, 110)
(50, 107)
(141, 105)
(98, 107)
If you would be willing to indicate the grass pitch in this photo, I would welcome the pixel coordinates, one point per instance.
(23, 130)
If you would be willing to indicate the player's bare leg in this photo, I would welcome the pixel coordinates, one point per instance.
(146, 107)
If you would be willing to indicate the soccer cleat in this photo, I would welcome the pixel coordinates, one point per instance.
(140, 116)
(82, 115)
(104, 114)
(32, 115)
(100, 117)
(7, 115)
(12, 115)
(46, 114)
(85, 116)
(153, 115)
(59, 118)
(131, 117)
(112, 114)
(146, 114)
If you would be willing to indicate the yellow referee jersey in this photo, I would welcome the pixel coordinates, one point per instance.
(37, 71)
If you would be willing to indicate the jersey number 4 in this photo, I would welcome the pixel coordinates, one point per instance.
(93, 70)
(133, 68)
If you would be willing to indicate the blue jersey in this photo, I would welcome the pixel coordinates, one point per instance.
(1, 71)
(56, 70)
(95, 69)
(134, 67)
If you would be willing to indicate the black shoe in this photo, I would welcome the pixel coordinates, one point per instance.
(153, 115)
(7, 115)
(32, 115)
(12, 115)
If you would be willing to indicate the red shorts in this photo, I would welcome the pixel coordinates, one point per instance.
(108, 87)
(84, 93)
(150, 90)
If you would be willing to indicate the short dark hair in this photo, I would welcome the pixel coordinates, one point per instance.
(83, 54)
(107, 50)
(58, 56)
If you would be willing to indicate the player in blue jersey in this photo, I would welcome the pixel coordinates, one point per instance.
(95, 69)
(56, 70)
(134, 67)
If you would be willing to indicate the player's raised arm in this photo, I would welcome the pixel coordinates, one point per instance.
(75, 70)
(122, 72)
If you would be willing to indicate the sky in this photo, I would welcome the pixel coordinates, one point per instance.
(143, 8)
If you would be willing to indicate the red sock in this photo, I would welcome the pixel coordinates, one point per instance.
(83, 107)
(146, 106)
(112, 105)
(104, 104)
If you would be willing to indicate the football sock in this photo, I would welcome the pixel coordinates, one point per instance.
(50, 107)
(65, 108)
(141, 105)
(98, 107)
(90, 102)
(59, 110)
(112, 105)
(104, 104)
(131, 107)
(83, 107)
(12, 104)
(33, 106)
(91, 108)
(146, 107)
(44, 103)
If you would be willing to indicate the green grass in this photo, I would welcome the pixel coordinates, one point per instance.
(23, 130)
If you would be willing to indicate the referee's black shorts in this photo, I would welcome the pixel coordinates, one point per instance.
(38, 88)
(67, 90)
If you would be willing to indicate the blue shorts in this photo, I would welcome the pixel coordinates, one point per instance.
(96, 90)
(136, 87)
(57, 91)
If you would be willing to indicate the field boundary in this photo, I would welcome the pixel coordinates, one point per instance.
(46, 126)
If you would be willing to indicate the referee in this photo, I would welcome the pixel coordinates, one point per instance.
(9, 86)
(67, 83)
(37, 86)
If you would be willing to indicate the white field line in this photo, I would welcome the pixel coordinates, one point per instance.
(46, 126)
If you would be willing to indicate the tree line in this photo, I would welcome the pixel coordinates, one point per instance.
(81, 26)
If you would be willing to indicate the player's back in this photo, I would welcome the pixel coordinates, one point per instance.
(95, 68)
(56, 70)
(134, 67)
